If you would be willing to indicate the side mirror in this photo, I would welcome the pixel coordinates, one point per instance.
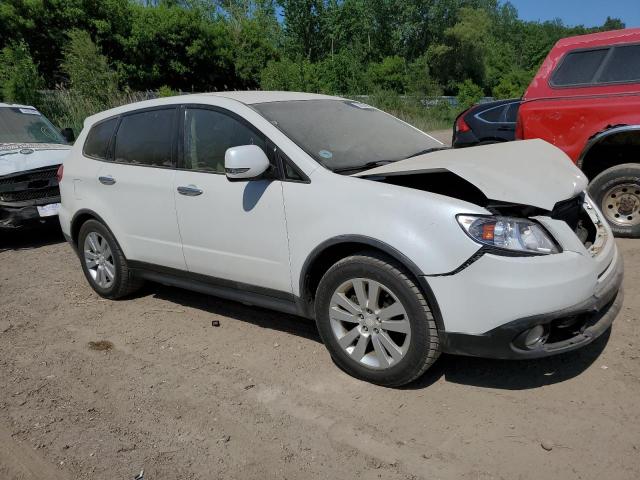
(245, 162)
(68, 135)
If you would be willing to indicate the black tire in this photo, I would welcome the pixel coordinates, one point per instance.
(423, 344)
(628, 173)
(124, 282)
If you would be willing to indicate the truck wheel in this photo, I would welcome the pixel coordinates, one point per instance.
(375, 321)
(617, 192)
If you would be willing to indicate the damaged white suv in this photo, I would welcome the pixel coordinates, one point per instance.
(330, 209)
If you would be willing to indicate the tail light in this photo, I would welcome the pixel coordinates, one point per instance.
(461, 125)
(59, 173)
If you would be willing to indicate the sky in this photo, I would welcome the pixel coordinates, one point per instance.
(589, 13)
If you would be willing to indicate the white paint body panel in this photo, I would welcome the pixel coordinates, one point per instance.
(262, 232)
(529, 172)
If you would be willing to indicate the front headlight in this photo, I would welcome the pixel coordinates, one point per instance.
(508, 233)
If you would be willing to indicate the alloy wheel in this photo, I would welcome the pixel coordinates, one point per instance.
(99, 260)
(370, 323)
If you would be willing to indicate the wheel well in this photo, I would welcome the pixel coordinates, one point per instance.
(327, 257)
(77, 223)
(611, 150)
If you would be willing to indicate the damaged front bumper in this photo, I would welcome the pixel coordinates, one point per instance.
(28, 197)
(562, 331)
(14, 216)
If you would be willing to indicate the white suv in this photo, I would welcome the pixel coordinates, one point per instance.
(331, 209)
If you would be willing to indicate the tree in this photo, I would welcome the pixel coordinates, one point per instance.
(19, 77)
(87, 70)
(513, 84)
(389, 74)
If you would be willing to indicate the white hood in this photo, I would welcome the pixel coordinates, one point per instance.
(528, 172)
(21, 157)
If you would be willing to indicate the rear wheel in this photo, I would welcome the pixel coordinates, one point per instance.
(103, 262)
(375, 321)
(617, 192)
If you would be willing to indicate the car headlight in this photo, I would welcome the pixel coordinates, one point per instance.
(508, 233)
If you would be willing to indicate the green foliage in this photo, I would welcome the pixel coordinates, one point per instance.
(513, 84)
(350, 47)
(87, 70)
(166, 91)
(468, 94)
(389, 74)
(19, 77)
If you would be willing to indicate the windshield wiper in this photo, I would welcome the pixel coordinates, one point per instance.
(423, 152)
(366, 166)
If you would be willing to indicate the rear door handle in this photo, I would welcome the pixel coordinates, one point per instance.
(190, 191)
(107, 180)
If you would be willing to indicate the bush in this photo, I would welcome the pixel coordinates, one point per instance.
(19, 78)
(468, 94)
(87, 69)
(513, 84)
(389, 74)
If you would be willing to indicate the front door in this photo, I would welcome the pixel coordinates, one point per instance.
(232, 231)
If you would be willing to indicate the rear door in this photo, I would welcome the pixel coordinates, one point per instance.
(232, 231)
(136, 187)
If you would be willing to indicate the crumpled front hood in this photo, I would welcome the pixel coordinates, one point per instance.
(21, 157)
(528, 172)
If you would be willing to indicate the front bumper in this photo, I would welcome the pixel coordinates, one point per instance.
(587, 321)
(21, 214)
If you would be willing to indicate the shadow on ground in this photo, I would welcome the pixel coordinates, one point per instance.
(478, 372)
(32, 237)
(260, 317)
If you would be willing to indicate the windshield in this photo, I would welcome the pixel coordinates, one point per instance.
(344, 135)
(26, 125)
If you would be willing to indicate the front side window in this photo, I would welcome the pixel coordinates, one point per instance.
(27, 125)
(207, 136)
(98, 139)
(146, 138)
(343, 135)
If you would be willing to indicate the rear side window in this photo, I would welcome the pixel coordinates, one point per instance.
(493, 115)
(578, 68)
(146, 138)
(623, 65)
(98, 139)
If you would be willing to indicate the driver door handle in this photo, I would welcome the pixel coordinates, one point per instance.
(190, 191)
(107, 180)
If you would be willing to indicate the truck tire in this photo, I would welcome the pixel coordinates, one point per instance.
(617, 192)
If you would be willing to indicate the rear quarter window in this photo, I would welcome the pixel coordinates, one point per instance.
(97, 142)
(623, 65)
(578, 68)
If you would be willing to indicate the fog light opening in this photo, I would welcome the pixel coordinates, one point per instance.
(534, 337)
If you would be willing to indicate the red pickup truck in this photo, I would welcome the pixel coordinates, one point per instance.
(585, 99)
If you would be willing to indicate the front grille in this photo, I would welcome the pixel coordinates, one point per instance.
(44, 174)
(23, 195)
(31, 185)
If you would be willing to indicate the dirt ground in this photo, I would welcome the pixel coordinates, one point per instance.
(259, 398)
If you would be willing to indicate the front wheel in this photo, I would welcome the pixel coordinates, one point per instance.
(617, 192)
(375, 321)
